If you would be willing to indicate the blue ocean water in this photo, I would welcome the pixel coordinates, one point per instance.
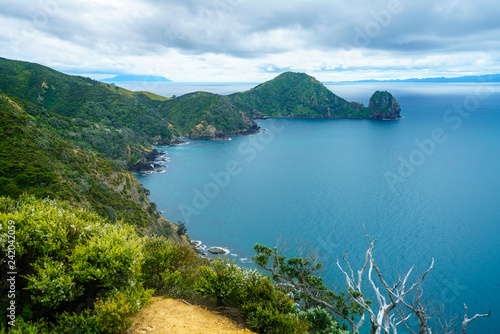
(426, 186)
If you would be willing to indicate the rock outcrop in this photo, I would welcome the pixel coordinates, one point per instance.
(146, 163)
(384, 106)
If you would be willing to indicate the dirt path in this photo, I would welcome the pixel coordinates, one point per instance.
(175, 317)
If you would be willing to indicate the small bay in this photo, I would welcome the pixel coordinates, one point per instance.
(426, 186)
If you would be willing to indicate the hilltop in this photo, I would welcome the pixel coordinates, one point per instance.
(300, 95)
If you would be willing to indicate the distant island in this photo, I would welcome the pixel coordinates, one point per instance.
(462, 79)
(135, 78)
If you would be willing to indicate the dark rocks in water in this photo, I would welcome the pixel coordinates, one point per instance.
(200, 252)
(146, 163)
(176, 141)
(151, 155)
(218, 251)
(196, 243)
(141, 166)
(384, 106)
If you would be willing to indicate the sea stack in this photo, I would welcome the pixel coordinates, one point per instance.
(384, 106)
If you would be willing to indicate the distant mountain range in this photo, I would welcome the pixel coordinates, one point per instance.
(135, 78)
(463, 79)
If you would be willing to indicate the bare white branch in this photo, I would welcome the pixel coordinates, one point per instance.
(468, 320)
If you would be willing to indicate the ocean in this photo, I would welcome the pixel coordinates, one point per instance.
(426, 187)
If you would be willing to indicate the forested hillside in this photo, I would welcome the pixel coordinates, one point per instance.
(36, 159)
(115, 122)
(207, 115)
(300, 95)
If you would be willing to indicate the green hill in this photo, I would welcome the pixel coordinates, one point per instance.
(206, 115)
(300, 95)
(35, 159)
(113, 121)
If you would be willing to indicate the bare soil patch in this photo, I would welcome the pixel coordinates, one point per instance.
(172, 316)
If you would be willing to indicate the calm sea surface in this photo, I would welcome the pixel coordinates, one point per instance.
(426, 186)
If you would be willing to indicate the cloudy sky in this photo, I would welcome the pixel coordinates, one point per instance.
(253, 40)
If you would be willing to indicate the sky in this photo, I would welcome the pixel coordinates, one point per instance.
(255, 40)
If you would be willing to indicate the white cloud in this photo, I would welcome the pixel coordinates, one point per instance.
(243, 40)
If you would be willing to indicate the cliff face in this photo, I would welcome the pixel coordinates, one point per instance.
(384, 106)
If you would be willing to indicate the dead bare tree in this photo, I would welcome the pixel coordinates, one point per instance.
(394, 324)
(425, 312)
(298, 275)
(445, 324)
(420, 310)
(396, 293)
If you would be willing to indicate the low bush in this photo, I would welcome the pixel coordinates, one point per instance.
(321, 322)
(265, 308)
(69, 255)
(169, 267)
(222, 281)
(110, 315)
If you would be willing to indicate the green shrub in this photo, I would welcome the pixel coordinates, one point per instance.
(161, 228)
(76, 323)
(110, 315)
(113, 315)
(67, 254)
(182, 229)
(266, 309)
(26, 327)
(170, 268)
(321, 322)
(221, 281)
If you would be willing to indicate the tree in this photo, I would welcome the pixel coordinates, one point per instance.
(298, 276)
(396, 302)
(182, 229)
(383, 319)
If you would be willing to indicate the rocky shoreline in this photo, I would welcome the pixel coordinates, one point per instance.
(149, 162)
(203, 251)
(253, 129)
